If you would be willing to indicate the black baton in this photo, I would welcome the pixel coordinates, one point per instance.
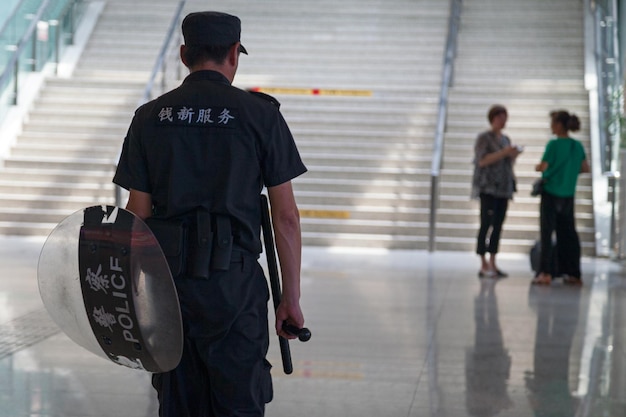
(272, 267)
(268, 239)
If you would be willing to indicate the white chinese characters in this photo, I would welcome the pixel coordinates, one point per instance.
(184, 115)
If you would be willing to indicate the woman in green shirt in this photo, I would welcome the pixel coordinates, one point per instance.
(563, 159)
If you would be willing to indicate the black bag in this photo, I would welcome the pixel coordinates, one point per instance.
(537, 187)
(535, 259)
(539, 183)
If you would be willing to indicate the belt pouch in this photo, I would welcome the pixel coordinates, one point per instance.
(172, 237)
(201, 245)
(224, 244)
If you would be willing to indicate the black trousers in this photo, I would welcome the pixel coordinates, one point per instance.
(223, 371)
(557, 215)
(492, 214)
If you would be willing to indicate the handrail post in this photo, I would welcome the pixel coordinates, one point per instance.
(33, 63)
(447, 75)
(16, 73)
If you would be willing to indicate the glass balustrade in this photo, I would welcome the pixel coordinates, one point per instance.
(33, 33)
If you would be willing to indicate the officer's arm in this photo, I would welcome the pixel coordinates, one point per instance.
(140, 204)
(286, 222)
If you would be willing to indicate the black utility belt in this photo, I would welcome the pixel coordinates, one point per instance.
(196, 244)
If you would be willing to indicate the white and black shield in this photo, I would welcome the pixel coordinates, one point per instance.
(105, 282)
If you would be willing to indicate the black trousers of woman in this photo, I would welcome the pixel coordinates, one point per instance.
(492, 214)
(557, 215)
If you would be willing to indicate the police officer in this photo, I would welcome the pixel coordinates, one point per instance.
(195, 161)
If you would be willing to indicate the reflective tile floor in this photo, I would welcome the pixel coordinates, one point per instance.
(395, 334)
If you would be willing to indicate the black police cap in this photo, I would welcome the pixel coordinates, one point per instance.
(212, 29)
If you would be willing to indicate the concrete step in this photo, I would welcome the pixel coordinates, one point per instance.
(65, 151)
(67, 204)
(63, 176)
(99, 164)
(366, 186)
(100, 128)
(373, 199)
(80, 139)
(364, 173)
(507, 245)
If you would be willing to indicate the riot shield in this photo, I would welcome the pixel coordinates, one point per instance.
(105, 282)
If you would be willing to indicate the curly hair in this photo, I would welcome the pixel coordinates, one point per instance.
(496, 110)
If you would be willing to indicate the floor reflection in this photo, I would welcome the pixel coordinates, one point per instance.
(58, 379)
(398, 334)
(487, 363)
(549, 393)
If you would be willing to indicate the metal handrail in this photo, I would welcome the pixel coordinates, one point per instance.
(156, 70)
(447, 80)
(11, 68)
(160, 62)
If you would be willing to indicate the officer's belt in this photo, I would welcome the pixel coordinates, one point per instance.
(196, 244)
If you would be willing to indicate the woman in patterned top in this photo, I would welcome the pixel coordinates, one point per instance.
(494, 184)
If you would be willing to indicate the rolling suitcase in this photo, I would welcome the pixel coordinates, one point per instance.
(535, 259)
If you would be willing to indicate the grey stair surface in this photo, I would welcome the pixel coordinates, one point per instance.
(527, 56)
(368, 155)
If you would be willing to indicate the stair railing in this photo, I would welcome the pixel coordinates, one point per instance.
(446, 83)
(32, 47)
(160, 75)
(167, 55)
(11, 70)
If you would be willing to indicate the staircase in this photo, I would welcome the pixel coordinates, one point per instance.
(528, 56)
(367, 142)
(365, 153)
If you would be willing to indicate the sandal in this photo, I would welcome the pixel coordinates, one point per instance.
(542, 279)
(573, 281)
(486, 274)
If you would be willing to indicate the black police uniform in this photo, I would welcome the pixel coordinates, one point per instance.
(210, 147)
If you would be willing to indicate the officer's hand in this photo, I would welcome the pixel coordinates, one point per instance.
(288, 313)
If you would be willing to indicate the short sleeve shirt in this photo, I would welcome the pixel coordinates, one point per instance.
(564, 157)
(208, 145)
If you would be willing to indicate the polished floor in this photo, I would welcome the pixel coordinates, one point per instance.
(395, 334)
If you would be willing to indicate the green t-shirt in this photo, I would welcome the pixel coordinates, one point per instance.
(564, 157)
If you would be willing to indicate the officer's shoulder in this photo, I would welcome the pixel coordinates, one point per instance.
(266, 97)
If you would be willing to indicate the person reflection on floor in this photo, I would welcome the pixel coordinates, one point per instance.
(487, 363)
(547, 385)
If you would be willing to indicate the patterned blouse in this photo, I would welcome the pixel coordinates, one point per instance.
(496, 179)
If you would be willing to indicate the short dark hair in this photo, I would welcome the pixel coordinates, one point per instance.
(571, 122)
(197, 54)
(496, 110)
